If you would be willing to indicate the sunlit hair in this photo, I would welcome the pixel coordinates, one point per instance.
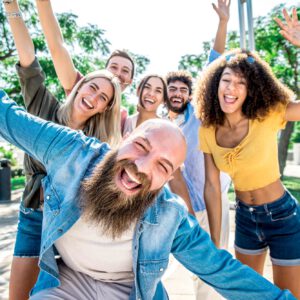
(124, 54)
(143, 82)
(106, 125)
(183, 76)
(264, 90)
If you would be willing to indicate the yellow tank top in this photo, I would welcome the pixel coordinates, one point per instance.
(254, 162)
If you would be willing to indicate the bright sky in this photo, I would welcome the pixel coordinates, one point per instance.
(162, 30)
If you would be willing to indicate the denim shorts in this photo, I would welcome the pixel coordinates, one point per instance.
(274, 226)
(29, 231)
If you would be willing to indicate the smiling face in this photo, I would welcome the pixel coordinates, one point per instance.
(122, 68)
(93, 97)
(232, 91)
(155, 151)
(152, 94)
(126, 181)
(178, 93)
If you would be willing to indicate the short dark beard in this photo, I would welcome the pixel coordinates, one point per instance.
(177, 110)
(104, 204)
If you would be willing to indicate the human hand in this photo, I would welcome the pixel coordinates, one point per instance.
(222, 9)
(291, 28)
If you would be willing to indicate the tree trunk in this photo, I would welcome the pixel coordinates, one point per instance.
(283, 145)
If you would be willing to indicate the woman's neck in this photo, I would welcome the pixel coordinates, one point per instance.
(76, 122)
(234, 120)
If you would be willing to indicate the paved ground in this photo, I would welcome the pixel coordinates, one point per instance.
(177, 279)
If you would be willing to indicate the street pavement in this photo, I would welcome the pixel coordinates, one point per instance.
(177, 279)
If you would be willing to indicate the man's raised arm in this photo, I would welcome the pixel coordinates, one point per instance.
(33, 135)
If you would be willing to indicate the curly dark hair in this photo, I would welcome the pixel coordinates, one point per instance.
(264, 90)
(183, 76)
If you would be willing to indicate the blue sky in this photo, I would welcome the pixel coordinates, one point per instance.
(162, 30)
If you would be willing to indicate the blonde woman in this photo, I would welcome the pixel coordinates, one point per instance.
(93, 106)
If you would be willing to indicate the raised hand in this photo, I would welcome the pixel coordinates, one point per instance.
(222, 9)
(290, 30)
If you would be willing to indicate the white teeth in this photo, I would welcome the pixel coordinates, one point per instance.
(87, 103)
(132, 177)
(149, 100)
(230, 97)
(177, 100)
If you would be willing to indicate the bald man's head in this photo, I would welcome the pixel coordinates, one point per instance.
(127, 180)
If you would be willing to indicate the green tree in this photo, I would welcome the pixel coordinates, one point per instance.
(88, 46)
(275, 50)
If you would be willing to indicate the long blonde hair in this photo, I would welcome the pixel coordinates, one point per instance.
(105, 126)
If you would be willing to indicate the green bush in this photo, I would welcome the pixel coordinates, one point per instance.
(7, 152)
(296, 134)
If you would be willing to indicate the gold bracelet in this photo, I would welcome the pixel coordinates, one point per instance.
(14, 14)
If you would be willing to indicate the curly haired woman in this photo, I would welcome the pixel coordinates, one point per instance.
(243, 107)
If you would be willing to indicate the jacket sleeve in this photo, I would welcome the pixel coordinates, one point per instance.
(40, 139)
(38, 99)
(193, 247)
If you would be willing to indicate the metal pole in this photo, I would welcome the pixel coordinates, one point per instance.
(250, 25)
(242, 24)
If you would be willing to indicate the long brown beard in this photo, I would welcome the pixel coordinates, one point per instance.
(104, 204)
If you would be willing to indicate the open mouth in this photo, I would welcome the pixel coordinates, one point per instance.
(176, 101)
(128, 182)
(228, 99)
(149, 101)
(87, 103)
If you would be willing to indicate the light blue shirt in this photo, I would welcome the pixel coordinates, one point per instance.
(166, 227)
(194, 170)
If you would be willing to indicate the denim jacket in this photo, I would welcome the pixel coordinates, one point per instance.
(165, 228)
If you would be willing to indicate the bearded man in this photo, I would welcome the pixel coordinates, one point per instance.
(111, 221)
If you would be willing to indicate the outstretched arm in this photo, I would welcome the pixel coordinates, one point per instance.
(45, 141)
(62, 60)
(290, 30)
(223, 12)
(193, 248)
(22, 39)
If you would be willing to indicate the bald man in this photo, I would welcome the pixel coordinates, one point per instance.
(110, 219)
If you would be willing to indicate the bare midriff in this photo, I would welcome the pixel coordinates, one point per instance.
(266, 194)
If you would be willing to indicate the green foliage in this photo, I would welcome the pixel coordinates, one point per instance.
(17, 183)
(282, 56)
(296, 134)
(7, 152)
(87, 44)
(131, 108)
(195, 63)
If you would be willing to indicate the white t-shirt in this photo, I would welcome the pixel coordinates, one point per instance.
(84, 248)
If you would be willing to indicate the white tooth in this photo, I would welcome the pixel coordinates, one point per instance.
(149, 100)
(87, 103)
(177, 100)
(229, 96)
(132, 177)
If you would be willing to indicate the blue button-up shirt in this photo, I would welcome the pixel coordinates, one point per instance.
(193, 171)
(165, 228)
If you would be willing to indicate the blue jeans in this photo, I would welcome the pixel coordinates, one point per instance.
(275, 225)
(29, 231)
